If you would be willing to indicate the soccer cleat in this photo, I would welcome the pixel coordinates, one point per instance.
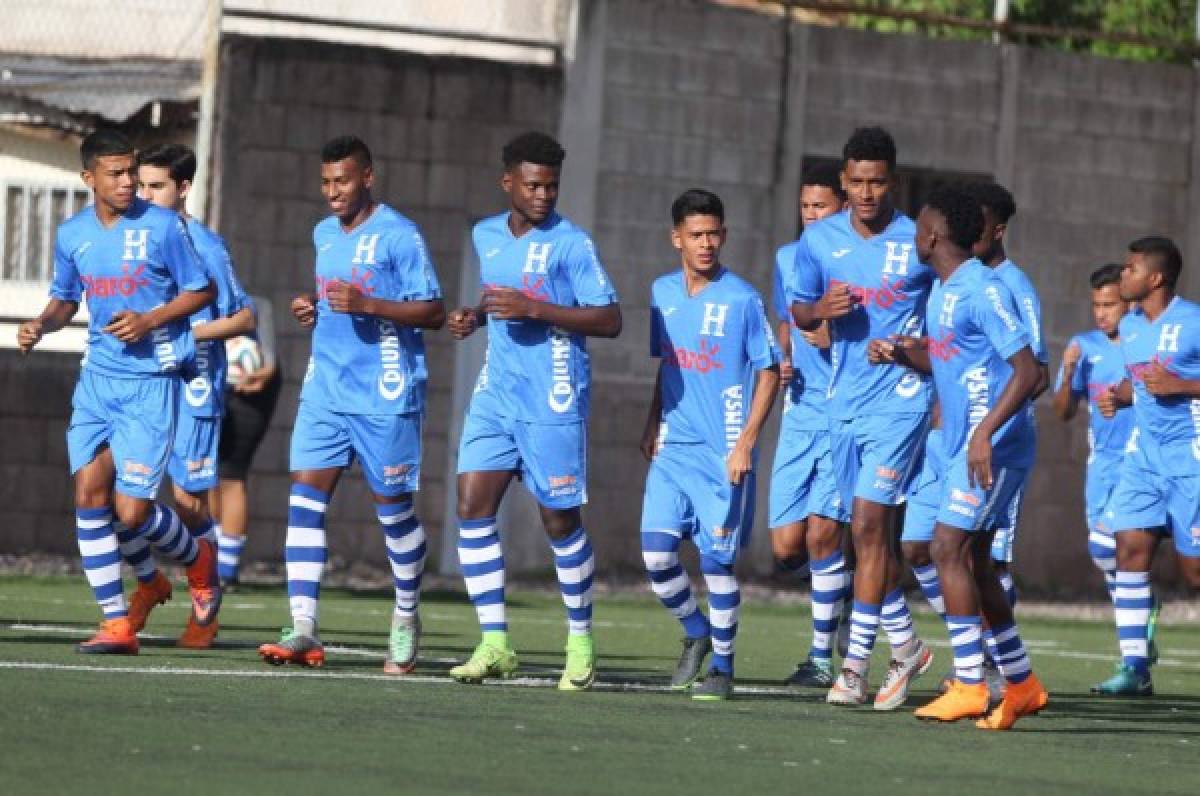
(580, 670)
(195, 637)
(486, 661)
(1151, 631)
(1020, 699)
(717, 686)
(203, 584)
(691, 661)
(145, 597)
(1127, 681)
(115, 637)
(894, 689)
(961, 701)
(293, 648)
(813, 673)
(850, 688)
(403, 644)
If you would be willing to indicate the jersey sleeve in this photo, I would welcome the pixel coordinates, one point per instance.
(231, 297)
(66, 285)
(999, 320)
(1030, 307)
(761, 349)
(808, 277)
(589, 281)
(180, 257)
(415, 277)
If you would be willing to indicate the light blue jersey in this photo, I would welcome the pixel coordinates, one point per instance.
(712, 345)
(204, 386)
(361, 364)
(534, 372)
(143, 261)
(806, 397)
(1168, 428)
(1029, 306)
(890, 288)
(974, 328)
(1101, 367)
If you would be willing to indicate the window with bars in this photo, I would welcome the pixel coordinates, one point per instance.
(29, 214)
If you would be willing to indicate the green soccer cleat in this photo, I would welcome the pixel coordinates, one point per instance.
(813, 673)
(403, 643)
(293, 647)
(486, 661)
(1151, 631)
(580, 670)
(1128, 682)
(717, 686)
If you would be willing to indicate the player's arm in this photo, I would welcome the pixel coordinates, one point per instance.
(649, 443)
(1115, 398)
(784, 335)
(57, 314)
(741, 459)
(1162, 383)
(129, 326)
(509, 304)
(1018, 390)
(239, 323)
(906, 351)
(818, 337)
(420, 314)
(1065, 400)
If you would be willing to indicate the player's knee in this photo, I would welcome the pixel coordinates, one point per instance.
(560, 524)
(133, 513)
(659, 560)
(788, 546)
(917, 554)
(946, 553)
(1191, 572)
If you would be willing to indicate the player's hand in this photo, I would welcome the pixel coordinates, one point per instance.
(819, 337)
(786, 372)
(1107, 403)
(649, 443)
(508, 304)
(1159, 381)
(1071, 356)
(881, 352)
(29, 334)
(304, 310)
(128, 326)
(345, 297)
(254, 382)
(836, 302)
(739, 462)
(463, 322)
(979, 461)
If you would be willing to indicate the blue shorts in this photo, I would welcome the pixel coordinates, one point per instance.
(1006, 519)
(925, 493)
(688, 494)
(874, 456)
(193, 462)
(1145, 500)
(1103, 474)
(973, 508)
(388, 446)
(135, 417)
(800, 480)
(551, 458)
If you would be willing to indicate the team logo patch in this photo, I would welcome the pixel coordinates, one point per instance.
(563, 485)
(136, 473)
(965, 497)
(887, 473)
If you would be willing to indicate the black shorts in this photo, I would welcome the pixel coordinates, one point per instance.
(245, 424)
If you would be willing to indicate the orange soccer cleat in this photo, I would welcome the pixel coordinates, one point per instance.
(115, 637)
(145, 597)
(197, 637)
(293, 648)
(204, 584)
(961, 701)
(1020, 699)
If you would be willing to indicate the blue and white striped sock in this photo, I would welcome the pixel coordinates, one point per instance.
(724, 601)
(405, 539)
(207, 529)
(136, 552)
(166, 534)
(931, 587)
(305, 553)
(101, 560)
(864, 626)
(574, 564)
(828, 588)
(1133, 603)
(897, 622)
(229, 554)
(1102, 547)
(966, 639)
(1010, 588)
(1006, 649)
(668, 581)
(482, 560)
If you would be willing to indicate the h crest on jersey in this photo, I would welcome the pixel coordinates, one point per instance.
(364, 250)
(896, 260)
(537, 258)
(135, 244)
(713, 324)
(1168, 337)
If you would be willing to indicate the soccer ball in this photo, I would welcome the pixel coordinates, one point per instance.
(244, 356)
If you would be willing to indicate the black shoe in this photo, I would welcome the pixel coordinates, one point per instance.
(691, 660)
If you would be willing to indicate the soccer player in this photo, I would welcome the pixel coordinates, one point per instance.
(856, 270)
(984, 371)
(717, 378)
(544, 293)
(143, 280)
(363, 397)
(1159, 486)
(165, 174)
(801, 529)
(1092, 365)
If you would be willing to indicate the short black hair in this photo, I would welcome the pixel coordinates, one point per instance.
(177, 159)
(1107, 274)
(994, 197)
(533, 147)
(1168, 260)
(346, 146)
(102, 143)
(824, 174)
(696, 202)
(963, 214)
(870, 143)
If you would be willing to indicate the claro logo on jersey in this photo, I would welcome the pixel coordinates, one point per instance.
(391, 377)
(128, 283)
(562, 392)
(887, 295)
(701, 361)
